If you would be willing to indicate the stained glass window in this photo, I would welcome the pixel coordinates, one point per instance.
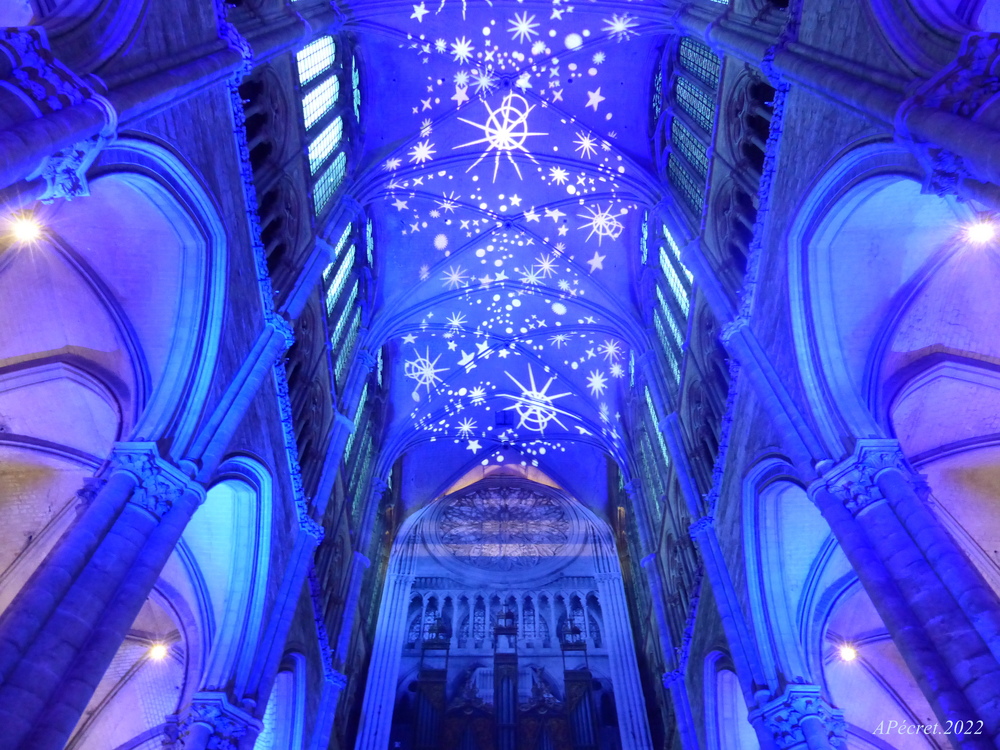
(320, 100)
(324, 144)
(328, 182)
(700, 61)
(689, 145)
(315, 58)
(695, 102)
(690, 190)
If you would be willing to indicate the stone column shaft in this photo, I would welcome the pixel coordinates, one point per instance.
(115, 564)
(43, 592)
(73, 692)
(952, 566)
(925, 663)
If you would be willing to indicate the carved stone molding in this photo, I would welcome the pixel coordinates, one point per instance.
(785, 715)
(159, 484)
(853, 480)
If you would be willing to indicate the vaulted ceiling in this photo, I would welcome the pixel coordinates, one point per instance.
(508, 167)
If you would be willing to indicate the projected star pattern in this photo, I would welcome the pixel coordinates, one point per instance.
(512, 213)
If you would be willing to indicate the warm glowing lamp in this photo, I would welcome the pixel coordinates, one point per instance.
(981, 232)
(847, 652)
(25, 229)
(158, 652)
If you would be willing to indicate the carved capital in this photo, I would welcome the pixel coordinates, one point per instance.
(785, 715)
(701, 526)
(226, 723)
(311, 527)
(159, 484)
(671, 678)
(367, 359)
(37, 73)
(963, 88)
(378, 488)
(337, 679)
(854, 479)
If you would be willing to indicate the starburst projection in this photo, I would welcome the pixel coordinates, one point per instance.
(504, 132)
(534, 407)
(455, 277)
(422, 152)
(422, 369)
(523, 27)
(597, 382)
(461, 50)
(621, 27)
(586, 144)
(602, 222)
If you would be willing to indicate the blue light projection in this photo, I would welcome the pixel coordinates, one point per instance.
(511, 208)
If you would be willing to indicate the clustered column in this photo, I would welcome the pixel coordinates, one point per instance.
(938, 609)
(62, 630)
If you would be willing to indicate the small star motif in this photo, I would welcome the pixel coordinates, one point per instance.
(597, 262)
(594, 98)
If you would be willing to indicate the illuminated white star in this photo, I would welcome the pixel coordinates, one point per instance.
(448, 201)
(399, 203)
(505, 131)
(409, 338)
(478, 395)
(423, 151)
(617, 370)
(534, 406)
(611, 350)
(594, 98)
(461, 95)
(523, 27)
(466, 427)
(440, 45)
(559, 340)
(586, 144)
(599, 57)
(530, 276)
(456, 321)
(601, 222)
(424, 272)
(621, 27)
(554, 213)
(597, 383)
(597, 262)
(558, 175)
(484, 80)
(546, 265)
(425, 127)
(474, 446)
(392, 164)
(421, 369)
(419, 11)
(454, 277)
(530, 215)
(461, 49)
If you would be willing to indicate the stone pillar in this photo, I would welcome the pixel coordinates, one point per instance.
(944, 650)
(800, 719)
(390, 632)
(674, 683)
(62, 630)
(632, 718)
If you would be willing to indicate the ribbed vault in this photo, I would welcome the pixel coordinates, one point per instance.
(507, 174)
